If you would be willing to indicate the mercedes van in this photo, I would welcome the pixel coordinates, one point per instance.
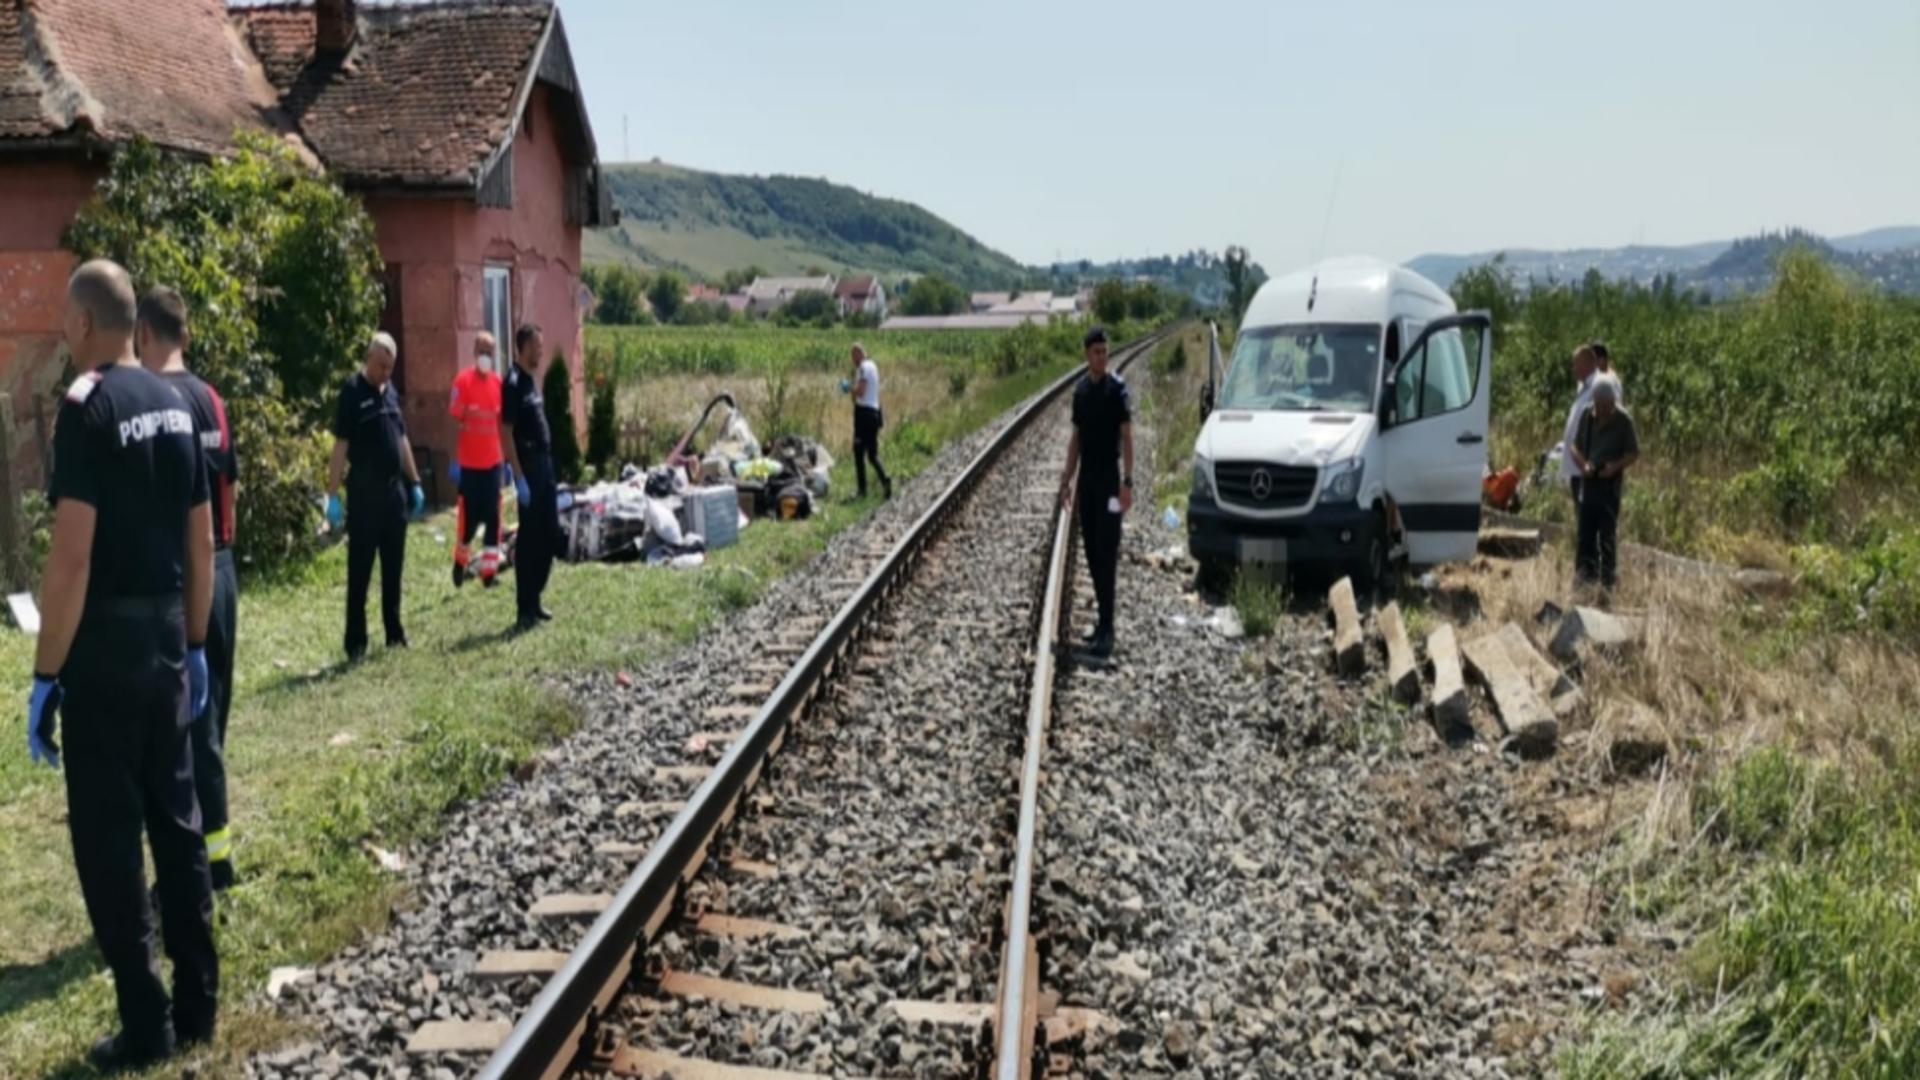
(1348, 431)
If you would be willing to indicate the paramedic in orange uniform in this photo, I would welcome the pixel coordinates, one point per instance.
(476, 408)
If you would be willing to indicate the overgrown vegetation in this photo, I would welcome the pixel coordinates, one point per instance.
(1773, 426)
(282, 278)
(556, 393)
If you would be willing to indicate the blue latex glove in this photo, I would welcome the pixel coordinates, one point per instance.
(521, 489)
(197, 679)
(41, 708)
(419, 500)
(506, 475)
(336, 513)
(453, 473)
(846, 386)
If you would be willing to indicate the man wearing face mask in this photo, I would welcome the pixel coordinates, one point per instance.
(476, 470)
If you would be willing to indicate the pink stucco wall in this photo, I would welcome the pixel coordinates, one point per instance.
(442, 247)
(39, 199)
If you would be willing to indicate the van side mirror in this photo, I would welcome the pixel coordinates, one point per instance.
(1206, 401)
(1387, 398)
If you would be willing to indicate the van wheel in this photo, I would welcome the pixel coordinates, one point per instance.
(1372, 572)
(1215, 575)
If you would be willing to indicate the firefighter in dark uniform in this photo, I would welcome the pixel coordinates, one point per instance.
(162, 336)
(121, 661)
(370, 449)
(1102, 448)
(529, 445)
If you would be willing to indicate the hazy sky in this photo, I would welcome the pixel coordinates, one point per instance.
(1125, 127)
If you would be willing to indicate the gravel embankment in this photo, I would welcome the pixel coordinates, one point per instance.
(535, 836)
(1222, 874)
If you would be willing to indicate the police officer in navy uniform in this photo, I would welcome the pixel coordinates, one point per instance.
(529, 445)
(371, 450)
(121, 660)
(161, 335)
(1102, 447)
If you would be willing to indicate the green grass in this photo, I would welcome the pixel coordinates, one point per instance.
(1261, 601)
(418, 731)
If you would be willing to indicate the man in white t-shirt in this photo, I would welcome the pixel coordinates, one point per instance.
(1585, 366)
(866, 423)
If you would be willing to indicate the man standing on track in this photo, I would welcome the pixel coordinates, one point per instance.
(476, 408)
(867, 422)
(121, 658)
(371, 451)
(529, 446)
(162, 335)
(1102, 448)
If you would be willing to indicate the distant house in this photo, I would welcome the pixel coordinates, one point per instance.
(1026, 303)
(460, 124)
(702, 294)
(769, 294)
(736, 302)
(862, 296)
(987, 301)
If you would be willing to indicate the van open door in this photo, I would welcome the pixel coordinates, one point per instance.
(1434, 426)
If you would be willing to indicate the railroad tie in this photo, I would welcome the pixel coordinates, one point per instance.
(713, 924)
(571, 906)
(459, 1037)
(661, 1065)
(745, 995)
(516, 963)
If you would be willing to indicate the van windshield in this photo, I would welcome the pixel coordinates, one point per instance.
(1332, 367)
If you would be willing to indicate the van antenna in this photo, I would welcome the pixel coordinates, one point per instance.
(1326, 227)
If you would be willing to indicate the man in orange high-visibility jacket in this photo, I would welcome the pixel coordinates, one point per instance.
(476, 408)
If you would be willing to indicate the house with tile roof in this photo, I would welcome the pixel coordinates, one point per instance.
(769, 294)
(863, 295)
(460, 124)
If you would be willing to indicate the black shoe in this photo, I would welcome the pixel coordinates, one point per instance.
(459, 575)
(544, 615)
(525, 623)
(886, 490)
(114, 1054)
(1102, 647)
(354, 656)
(490, 582)
(399, 642)
(222, 872)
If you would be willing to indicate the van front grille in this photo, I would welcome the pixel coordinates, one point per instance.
(1259, 485)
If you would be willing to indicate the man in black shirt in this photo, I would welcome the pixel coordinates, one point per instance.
(1102, 447)
(121, 657)
(371, 450)
(161, 335)
(1604, 448)
(529, 445)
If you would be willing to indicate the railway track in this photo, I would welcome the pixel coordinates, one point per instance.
(938, 784)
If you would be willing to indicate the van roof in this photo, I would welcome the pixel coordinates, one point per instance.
(1347, 290)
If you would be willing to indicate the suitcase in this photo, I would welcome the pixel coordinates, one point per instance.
(714, 513)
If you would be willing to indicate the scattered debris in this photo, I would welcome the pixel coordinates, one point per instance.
(1451, 706)
(282, 977)
(25, 615)
(1510, 543)
(344, 738)
(1586, 628)
(1226, 622)
(1638, 744)
(1535, 729)
(390, 861)
(1403, 675)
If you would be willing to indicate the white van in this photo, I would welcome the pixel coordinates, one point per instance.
(1348, 430)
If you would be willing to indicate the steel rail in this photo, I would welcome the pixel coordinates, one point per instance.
(552, 1033)
(1016, 1013)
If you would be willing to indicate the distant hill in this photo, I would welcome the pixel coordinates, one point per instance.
(1200, 274)
(1889, 257)
(704, 224)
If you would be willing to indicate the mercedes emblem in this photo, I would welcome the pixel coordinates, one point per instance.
(1261, 485)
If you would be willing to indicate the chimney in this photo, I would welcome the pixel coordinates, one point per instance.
(335, 23)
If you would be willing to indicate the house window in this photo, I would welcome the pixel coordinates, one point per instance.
(497, 308)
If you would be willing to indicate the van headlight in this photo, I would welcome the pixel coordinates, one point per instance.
(1202, 479)
(1343, 481)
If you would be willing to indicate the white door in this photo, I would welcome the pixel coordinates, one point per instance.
(1434, 438)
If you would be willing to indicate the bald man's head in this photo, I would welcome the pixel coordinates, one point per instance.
(100, 313)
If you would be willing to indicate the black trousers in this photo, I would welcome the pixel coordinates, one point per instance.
(209, 733)
(1100, 536)
(129, 768)
(539, 534)
(866, 447)
(479, 509)
(1573, 486)
(377, 528)
(1598, 553)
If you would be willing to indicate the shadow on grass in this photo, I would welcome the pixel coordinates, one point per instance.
(22, 985)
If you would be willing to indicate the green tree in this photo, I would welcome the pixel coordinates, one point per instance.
(934, 295)
(1144, 301)
(282, 280)
(809, 306)
(558, 391)
(602, 423)
(737, 280)
(617, 291)
(1110, 302)
(1240, 282)
(666, 295)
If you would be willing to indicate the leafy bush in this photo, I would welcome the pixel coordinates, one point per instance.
(809, 307)
(558, 394)
(666, 294)
(282, 278)
(1110, 301)
(957, 381)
